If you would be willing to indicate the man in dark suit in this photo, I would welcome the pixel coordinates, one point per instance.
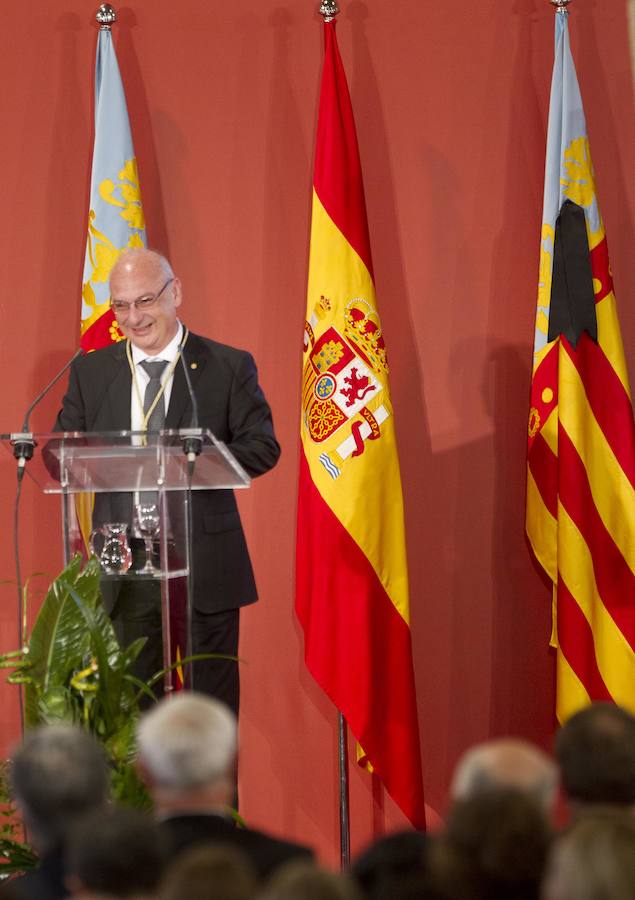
(187, 756)
(139, 383)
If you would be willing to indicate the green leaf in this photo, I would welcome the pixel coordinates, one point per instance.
(57, 705)
(15, 857)
(121, 745)
(76, 671)
(59, 640)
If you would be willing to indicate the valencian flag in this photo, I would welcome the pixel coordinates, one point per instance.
(351, 578)
(581, 458)
(115, 218)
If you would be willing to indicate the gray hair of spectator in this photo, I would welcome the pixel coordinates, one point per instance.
(506, 763)
(187, 741)
(58, 774)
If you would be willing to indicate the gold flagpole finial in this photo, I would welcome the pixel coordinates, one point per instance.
(329, 9)
(105, 15)
(561, 6)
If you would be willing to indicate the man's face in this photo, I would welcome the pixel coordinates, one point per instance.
(142, 277)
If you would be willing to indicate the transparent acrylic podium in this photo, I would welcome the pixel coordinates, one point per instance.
(104, 478)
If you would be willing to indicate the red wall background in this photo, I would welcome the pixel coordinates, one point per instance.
(451, 109)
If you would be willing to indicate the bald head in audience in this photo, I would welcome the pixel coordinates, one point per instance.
(506, 763)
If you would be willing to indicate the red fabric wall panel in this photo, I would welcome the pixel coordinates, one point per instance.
(451, 115)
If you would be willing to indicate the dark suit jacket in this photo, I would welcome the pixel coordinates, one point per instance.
(46, 882)
(232, 405)
(264, 852)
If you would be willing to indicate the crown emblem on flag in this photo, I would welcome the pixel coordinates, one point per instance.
(363, 329)
(330, 353)
(322, 307)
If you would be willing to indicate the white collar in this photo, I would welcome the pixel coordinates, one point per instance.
(169, 353)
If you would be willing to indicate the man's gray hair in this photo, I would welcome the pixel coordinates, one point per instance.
(58, 774)
(187, 741)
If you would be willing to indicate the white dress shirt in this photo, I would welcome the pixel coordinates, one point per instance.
(169, 354)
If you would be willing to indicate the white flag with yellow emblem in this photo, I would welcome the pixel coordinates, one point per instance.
(115, 218)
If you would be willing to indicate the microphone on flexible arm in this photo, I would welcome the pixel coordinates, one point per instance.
(23, 442)
(192, 444)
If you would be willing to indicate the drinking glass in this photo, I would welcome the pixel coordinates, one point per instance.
(147, 525)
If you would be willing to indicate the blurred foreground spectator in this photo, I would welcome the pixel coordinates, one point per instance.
(495, 846)
(120, 853)
(593, 860)
(595, 750)
(58, 774)
(305, 881)
(187, 755)
(210, 872)
(395, 858)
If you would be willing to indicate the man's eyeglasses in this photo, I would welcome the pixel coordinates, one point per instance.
(122, 307)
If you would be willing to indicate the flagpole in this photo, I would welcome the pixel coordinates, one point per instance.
(345, 824)
(329, 10)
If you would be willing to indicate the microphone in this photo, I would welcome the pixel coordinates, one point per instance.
(23, 442)
(192, 444)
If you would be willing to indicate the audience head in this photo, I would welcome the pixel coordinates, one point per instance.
(309, 882)
(507, 763)
(187, 751)
(595, 750)
(58, 774)
(210, 872)
(118, 853)
(594, 860)
(495, 845)
(391, 859)
(413, 887)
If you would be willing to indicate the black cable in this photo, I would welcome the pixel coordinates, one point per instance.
(192, 446)
(190, 574)
(18, 574)
(23, 447)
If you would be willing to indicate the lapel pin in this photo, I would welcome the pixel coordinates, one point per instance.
(193, 365)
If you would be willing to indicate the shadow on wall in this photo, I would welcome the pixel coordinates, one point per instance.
(295, 700)
(407, 387)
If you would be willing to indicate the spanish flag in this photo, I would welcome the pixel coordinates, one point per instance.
(351, 578)
(115, 217)
(581, 456)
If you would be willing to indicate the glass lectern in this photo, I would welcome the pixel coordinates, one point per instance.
(125, 498)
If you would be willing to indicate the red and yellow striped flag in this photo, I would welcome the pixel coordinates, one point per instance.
(351, 579)
(581, 458)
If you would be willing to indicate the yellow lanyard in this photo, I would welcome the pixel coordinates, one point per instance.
(170, 372)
